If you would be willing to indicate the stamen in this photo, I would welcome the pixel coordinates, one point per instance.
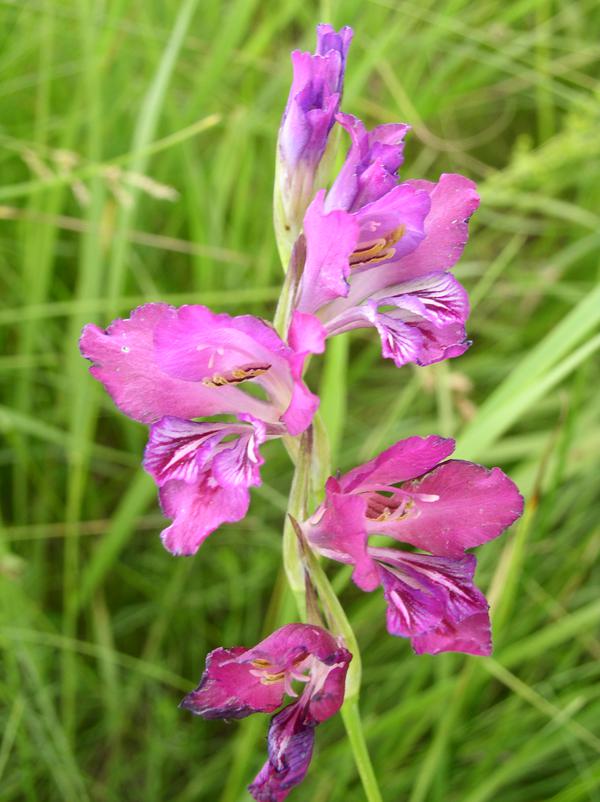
(377, 250)
(235, 376)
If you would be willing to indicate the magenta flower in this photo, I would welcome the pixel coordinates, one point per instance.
(167, 366)
(238, 682)
(309, 115)
(442, 508)
(385, 264)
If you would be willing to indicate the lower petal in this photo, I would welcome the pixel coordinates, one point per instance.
(471, 636)
(198, 509)
(290, 744)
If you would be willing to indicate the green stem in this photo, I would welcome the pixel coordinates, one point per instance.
(292, 562)
(356, 736)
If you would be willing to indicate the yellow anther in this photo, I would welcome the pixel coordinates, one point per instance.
(378, 250)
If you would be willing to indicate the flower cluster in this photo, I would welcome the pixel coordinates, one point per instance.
(365, 250)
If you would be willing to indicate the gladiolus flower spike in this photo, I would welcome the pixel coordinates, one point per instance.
(363, 249)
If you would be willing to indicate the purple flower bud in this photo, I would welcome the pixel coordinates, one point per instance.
(309, 115)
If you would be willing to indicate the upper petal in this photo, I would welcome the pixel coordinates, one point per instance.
(124, 360)
(456, 506)
(196, 345)
(231, 689)
(287, 644)
(330, 239)
(401, 212)
(338, 531)
(453, 200)
(404, 460)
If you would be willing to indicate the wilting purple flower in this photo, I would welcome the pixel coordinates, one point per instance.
(378, 252)
(409, 494)
(309, 115)
(167, 366)
(238, 682)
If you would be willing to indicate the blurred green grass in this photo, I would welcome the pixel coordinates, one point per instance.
(101, 631)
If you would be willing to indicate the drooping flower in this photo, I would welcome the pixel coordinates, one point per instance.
(166, 367)
(238, 682)
(441, 508)
(309, 115)
(394, 244)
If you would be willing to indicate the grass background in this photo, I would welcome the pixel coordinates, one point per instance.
(101, 632)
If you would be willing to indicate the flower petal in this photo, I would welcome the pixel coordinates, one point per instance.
(229, 688)
(238, 464)
(287, 644)
(195, 344)
(181, 449)
(456, 506)
(404, 210)
(412, 607)
(431, 596)
(124, 361)
(330, 239)
(369, 171)
(306, 334)
(404, 460)
(303, 404)
(198, 509)
(437, 307)
(338, 532)
(327, 700)
(290, 744)
(470, 636)
(453, 200)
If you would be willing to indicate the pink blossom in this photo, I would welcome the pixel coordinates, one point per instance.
(378, 253)
(238, 682)
(168, 366)
(440, 508)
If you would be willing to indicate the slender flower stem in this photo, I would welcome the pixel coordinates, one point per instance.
(294, 570)
(354, 730)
